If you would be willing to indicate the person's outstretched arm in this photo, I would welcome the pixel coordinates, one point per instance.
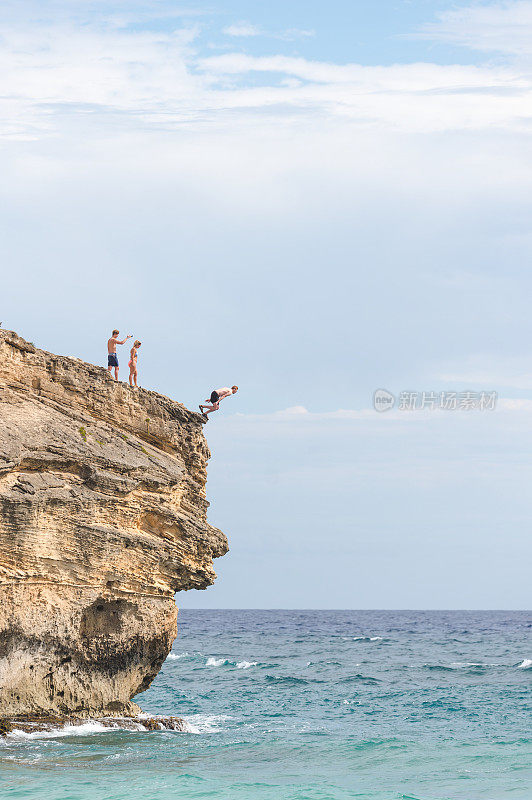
(123, 340)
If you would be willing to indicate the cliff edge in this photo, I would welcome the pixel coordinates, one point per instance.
(103, 517)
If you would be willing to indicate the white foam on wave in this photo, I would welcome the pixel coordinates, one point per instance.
(216, 662)
(83, 729)
(195, 654)
(525, 664)
(177, 656)
(225, 662)
(362, 638)
(204, 723)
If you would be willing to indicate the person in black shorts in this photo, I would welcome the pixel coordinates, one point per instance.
(214, 400)
(112, 358)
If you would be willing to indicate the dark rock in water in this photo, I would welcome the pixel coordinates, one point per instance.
(164, 724)
(103, 517)
(28, 723)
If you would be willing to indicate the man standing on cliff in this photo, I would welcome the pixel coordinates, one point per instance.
(112, 358)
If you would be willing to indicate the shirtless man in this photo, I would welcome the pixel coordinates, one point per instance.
(112, 358)
(216, 396)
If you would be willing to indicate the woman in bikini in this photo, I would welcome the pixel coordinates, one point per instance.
(133, 364)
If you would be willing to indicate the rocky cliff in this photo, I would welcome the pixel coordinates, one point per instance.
(102, 520)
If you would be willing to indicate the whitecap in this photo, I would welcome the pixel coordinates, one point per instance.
(195, 654)
(204, 723)
(177, 656)
(83, 729)
(225, 662)
(526, 664)
(362, 638)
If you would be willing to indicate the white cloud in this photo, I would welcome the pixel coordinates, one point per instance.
(516, 404)
(294, 410)
(296, 33)
(488, 377)
(156, 80)
(242, 29)
(497, 27)
(490, 372)
(409, 97)
(400, 77)
(50, 71)
(246, 29)
(300, 414)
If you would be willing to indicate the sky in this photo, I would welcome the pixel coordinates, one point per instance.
(313, 201)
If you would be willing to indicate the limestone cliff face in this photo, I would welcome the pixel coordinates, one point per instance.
(102, 519)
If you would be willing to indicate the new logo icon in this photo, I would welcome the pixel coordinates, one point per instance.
(383, 400)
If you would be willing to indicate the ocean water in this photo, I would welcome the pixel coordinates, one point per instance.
(311, 705)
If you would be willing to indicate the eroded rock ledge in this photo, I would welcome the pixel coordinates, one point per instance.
(102, 520)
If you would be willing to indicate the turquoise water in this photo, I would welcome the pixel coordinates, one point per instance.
(311, 705)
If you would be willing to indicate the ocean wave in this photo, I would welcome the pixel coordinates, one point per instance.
(186, 654)
(217, 662)
(358, 678)
(204, 723)
(144, 723)
(457, 665)
(526, 664)
(83, 729)
(226, 662)
(362, 638)
(438, 667)
(290, 680)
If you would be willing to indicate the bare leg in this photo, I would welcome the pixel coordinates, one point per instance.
(135, 378)
(210, 409)
(130, 378)
(116, 373)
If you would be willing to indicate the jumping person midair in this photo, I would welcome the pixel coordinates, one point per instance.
(214, 400)
(112, 358)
